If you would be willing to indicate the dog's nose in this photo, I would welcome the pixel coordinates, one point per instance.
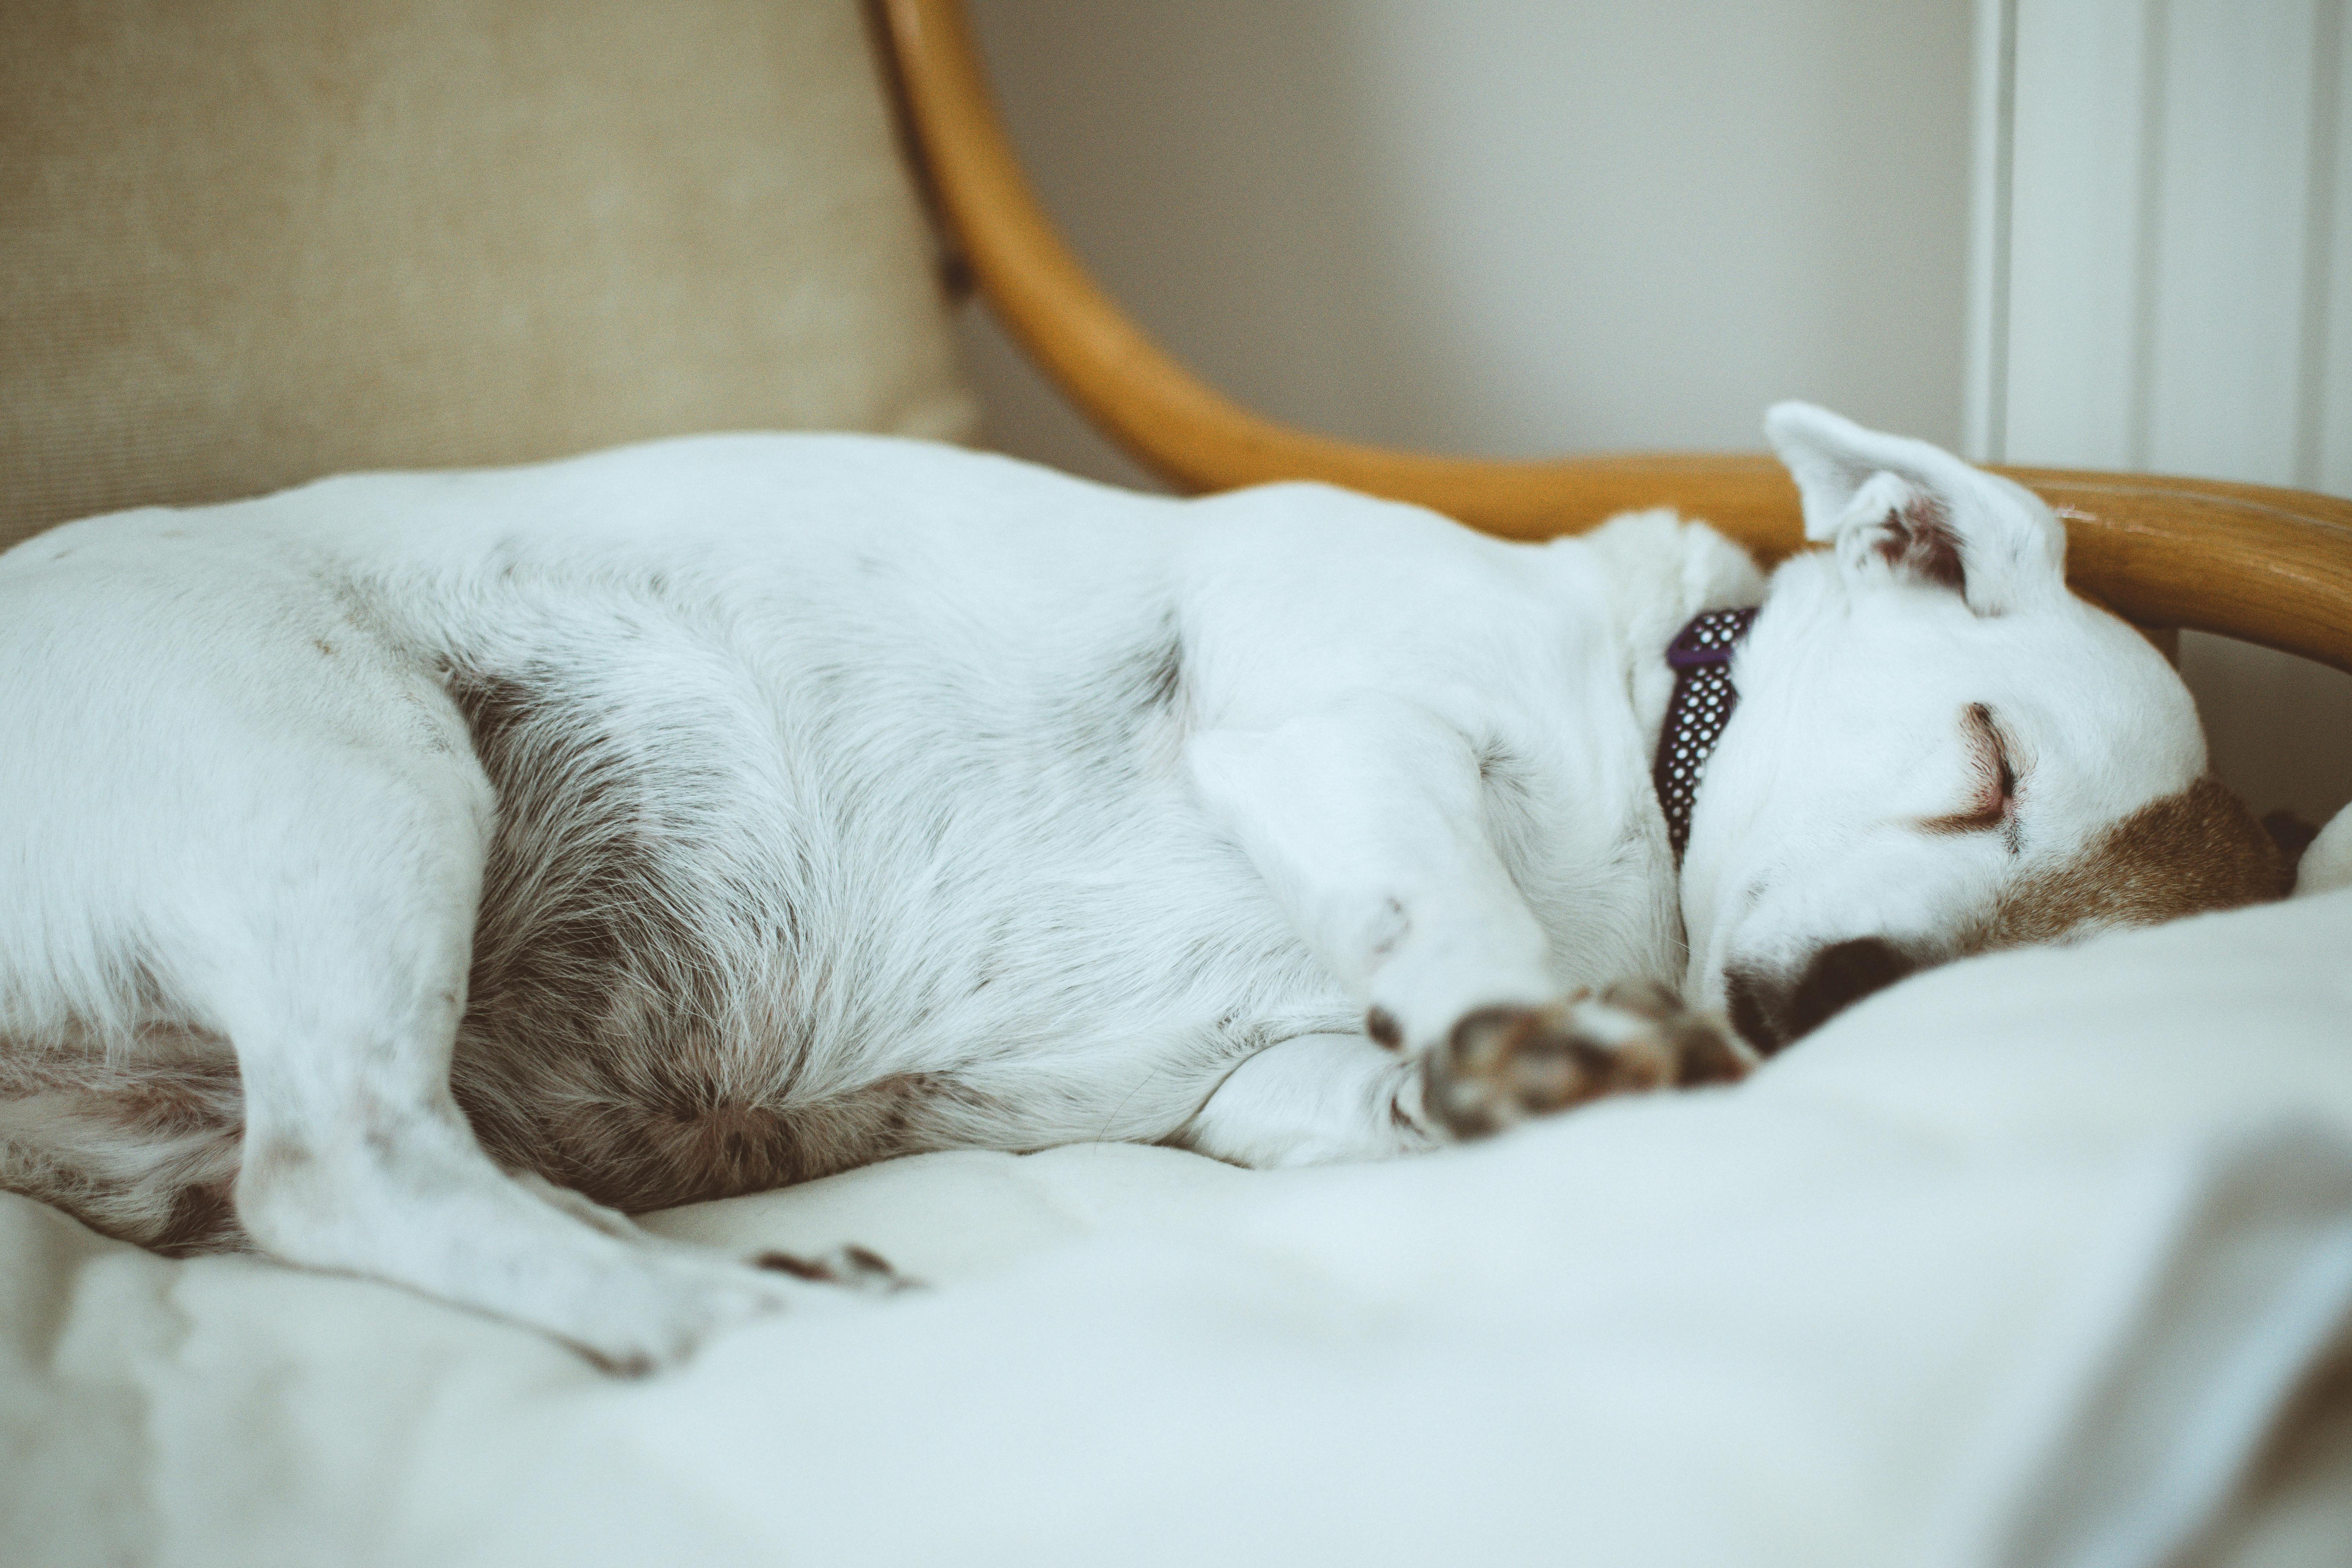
(1773, 1016)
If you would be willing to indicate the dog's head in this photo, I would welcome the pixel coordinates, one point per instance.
(1938, 749)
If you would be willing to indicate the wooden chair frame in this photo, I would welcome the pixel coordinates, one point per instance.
(2267, 565)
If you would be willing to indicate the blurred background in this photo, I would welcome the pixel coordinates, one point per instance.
(2111, 233)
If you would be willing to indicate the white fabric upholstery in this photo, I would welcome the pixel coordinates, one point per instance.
(2034, 1259)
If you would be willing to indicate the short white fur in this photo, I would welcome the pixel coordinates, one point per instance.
(916, 798)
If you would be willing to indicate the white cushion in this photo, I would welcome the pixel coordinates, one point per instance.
(2019, 1262)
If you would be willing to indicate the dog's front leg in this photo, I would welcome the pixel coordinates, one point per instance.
(1316, 1100)
(1368, 822)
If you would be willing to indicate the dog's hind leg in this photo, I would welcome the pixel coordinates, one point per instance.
(270, 843)
(338, 971)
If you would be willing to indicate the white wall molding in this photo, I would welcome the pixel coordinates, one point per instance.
(1985, 356)
(2167, 287)
(2160, 248)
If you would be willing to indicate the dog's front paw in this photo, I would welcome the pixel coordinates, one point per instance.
(1503, 1065)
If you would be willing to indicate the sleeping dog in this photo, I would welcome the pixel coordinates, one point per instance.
(414, 874)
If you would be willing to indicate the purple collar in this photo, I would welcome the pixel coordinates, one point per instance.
(1697, 713)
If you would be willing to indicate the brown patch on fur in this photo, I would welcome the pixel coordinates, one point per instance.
(203, 1220)
(1921, 543)
(161, 1105)
(677, 1133)
(2186, 854)
(142, 1149)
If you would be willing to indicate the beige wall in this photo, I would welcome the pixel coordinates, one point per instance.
(1511, 226)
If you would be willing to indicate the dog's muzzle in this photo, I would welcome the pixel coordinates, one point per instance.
(1774, 1014)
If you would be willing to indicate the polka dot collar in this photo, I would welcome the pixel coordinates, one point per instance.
(1696, 715)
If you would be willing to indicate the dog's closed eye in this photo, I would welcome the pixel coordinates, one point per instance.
(1992, 782)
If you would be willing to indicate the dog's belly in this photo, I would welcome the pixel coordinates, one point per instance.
(647, 1063)
(711, 962)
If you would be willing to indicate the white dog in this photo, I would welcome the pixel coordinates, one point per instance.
(406, 874)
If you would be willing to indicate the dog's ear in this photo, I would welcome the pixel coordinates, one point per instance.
(1900, 510)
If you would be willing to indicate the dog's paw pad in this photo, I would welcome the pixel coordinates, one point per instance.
(1694, 1047)
(851, 1267)
(1502, 1065)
